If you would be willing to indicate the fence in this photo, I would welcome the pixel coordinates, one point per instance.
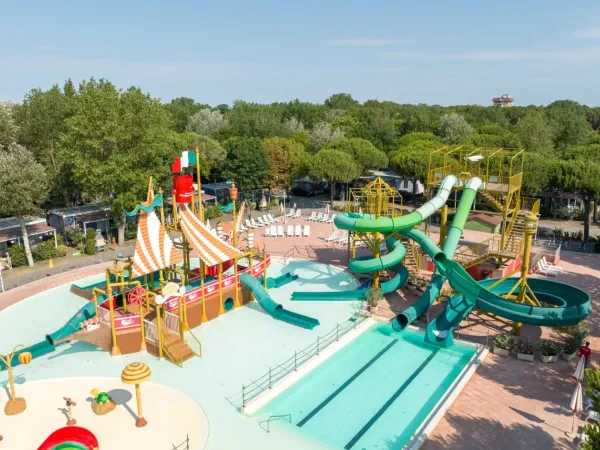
(151, 331)
(172, 322)
(256, 387)
(104, 315)
(185, 445)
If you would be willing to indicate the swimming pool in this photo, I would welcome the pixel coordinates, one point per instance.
(374, 393)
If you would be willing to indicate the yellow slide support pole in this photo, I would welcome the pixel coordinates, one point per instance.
(159, 327)
(115, 351)
(236, 299)
(143, 329)
(443, 225)
(221, 309)
(529, 232)
(202, 275)
(265, 266)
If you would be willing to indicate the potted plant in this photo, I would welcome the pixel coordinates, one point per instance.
(411, 282)
(578, 334)
(422, 285)
(524, 348)
(503, 344)
(373, 296)
(549, 350)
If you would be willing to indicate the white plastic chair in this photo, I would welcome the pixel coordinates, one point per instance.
(272, 219)
(298, 214)
(290, 230)
(273, 230)
(266, 220)
(306, 231)
(256, 225)
(268, 232)
(248, 224)
(261, 222)
(332, 237)
(342, 240)
(319, 217)
(298, 230)
(313, 216)
(280, 232)
(331, 218)
(549, 266)
(291, 213)
(325, 218)
(540, 269)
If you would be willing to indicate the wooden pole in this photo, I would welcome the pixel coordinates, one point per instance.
(143, 328)
(159, 329)
(115, 351)
(221, 309)
(236, 299)
(202, 272)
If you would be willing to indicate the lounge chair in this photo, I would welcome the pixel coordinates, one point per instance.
(272, 219)
(291, 213)
(313, 216)
(266, 219)
(248, 224)
(298, 232)
(261, 222)
(273, 230)
(319, 217)
(256, 225)
(342, 239)
(290, 230)
(330, 220)
(298, 214)
(280, 232)
(550, 266)
(325, 218)
(540, 269)
(332, 237)
(267, 232)
(306, 231)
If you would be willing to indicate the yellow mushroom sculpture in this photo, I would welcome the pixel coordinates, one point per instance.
(136, 373)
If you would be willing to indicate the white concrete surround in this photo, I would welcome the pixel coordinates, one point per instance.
(436, 414)
(286, 382)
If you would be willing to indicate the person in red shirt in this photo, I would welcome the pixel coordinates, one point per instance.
(586, 352)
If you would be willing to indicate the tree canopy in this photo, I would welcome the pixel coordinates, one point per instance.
(333, 165)
(365, 154)
(247, 163)
(288, 161)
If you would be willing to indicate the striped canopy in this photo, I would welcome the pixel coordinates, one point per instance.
(209, 248)
(154, 249)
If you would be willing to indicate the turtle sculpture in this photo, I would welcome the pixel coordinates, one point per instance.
(102, 403)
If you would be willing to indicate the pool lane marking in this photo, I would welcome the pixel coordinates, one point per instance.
(389, 403)
(346, 383)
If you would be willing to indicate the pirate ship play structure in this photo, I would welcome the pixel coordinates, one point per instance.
(153, 300)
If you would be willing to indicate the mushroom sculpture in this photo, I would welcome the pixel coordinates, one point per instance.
(136, 373)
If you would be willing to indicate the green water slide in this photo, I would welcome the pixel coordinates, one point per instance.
(432, 292)
(49, 344)
(276, 310)
(279, 281)
(368, 223)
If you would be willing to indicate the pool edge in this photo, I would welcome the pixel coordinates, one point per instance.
(288, 381)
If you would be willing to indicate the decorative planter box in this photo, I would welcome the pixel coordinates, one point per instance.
(524, 357)
(549, 359)
(569, 356)
(501, 351)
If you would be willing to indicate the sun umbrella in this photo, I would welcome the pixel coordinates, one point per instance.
(576, 403)
(580, 369)
(208, 224)
(327, 208)
(281, 210)
(136, 373)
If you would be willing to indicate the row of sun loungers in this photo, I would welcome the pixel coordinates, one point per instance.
(266, 220)
(321, 217)
(548, 269)
(336, 238)
(292, 231)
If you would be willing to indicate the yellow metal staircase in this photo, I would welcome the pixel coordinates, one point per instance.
(412, 260)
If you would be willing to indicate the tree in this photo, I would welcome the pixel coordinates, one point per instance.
(411, 163)
(288, 160)
(567, 118)
(181, 109)
(42, 122)
(206, 122)
(322, 134)
(291, 126)
(341, 101)
(592, 430)
(8, 127)
(454, 128)
(247, 163)
(222, 108)
(538, 172)
(333, 166)
(255, 120)
(212, 154)
(24, 187)
(583, 177)
(535, 133)
(115, 141)
(364, 153)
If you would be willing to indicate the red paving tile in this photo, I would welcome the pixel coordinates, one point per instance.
(508, 404)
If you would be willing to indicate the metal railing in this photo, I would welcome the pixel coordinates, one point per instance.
(172, 321)
(300, 357)
(104, 315)
(276, 417)
(173, 354)
(195, 341)
(185, 445)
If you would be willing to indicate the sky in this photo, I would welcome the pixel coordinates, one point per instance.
(435, 52)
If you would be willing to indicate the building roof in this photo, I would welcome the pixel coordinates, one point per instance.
(217, 186)
(492, 220)
(80, 209)
(14, 222)
(10, 234)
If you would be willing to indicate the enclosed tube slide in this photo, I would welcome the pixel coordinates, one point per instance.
(72, 437)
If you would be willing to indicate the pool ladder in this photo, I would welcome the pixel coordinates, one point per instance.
(268, 421)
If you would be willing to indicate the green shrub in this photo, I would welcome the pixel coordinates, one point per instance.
(59, 240)
(17, 255)
(90, 233)
(578, 334)
(74, 236)
(90, 242)
(60, 251)
(130, 230)
(81, 247)
(274, 202)
(373, 295)
(213, 211)
(524, 345)
(549, 347)
(504, 341)
(43, 251)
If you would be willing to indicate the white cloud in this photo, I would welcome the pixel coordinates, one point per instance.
(360, 42)
(587, 33)
(557, 56)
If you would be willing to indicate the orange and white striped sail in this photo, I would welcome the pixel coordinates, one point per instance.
(209, 248)
(154, 249)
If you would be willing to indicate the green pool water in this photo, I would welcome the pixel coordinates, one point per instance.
(374, 393)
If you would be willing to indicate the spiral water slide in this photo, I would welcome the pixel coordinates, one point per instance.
(368, 223)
